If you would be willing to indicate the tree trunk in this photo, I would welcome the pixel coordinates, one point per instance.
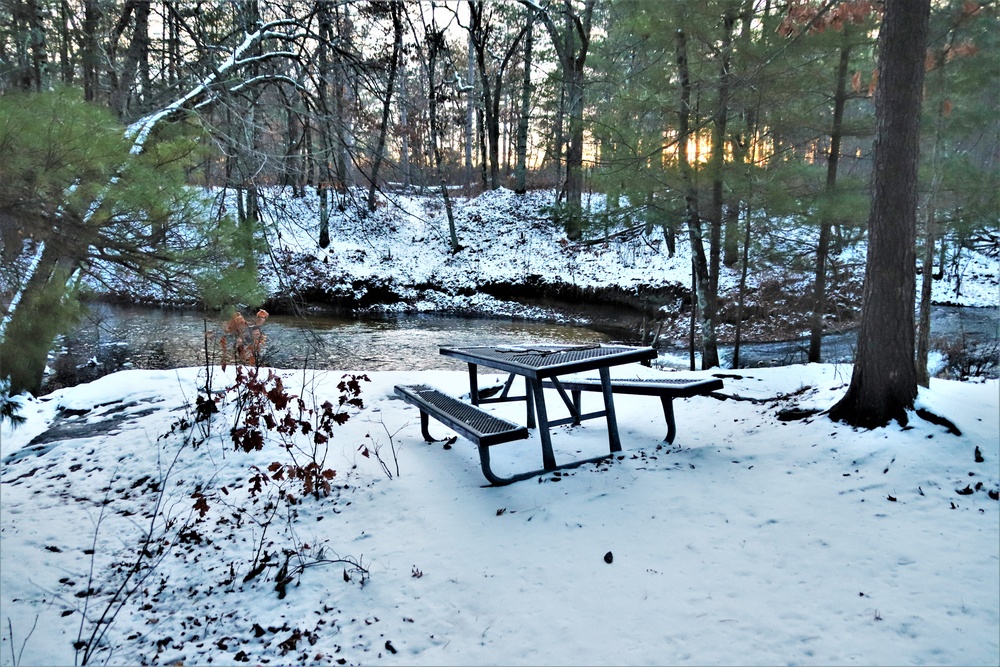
(324, 213)
(90, 55)
(470, 105)
(826, 223)
(343, 94)
(930, 223)
(39, 46)
(65, 43)
(396, 9)
(574, 153)
(742, 294)
(718, 159)
(404, 126)
(42, 313)
(926, 282)
(884, 382)
(572, 57)
(136, 62)
(702, 281)
(521, 170)
(435, 44)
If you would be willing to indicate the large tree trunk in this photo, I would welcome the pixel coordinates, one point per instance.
(884, 383)
(40, 316)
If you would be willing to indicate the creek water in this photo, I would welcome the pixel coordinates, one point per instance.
(112, 337)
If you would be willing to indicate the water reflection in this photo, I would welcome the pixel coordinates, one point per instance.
(114, 337)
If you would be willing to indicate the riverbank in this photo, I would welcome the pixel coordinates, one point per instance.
(515, 262)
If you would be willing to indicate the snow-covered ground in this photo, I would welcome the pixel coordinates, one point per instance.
(750, 541)
(510, 238)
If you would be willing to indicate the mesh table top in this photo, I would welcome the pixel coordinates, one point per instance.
(547, 360)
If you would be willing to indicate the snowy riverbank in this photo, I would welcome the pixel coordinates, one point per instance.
(516, 262)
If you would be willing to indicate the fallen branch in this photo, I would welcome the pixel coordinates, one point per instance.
(718, 395)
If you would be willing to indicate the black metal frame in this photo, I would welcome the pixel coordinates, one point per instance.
(538, 363)
(666, 389)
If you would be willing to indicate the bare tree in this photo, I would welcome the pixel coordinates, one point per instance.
(572, 45)
(395, 10)
(433, 52)
(492, 60)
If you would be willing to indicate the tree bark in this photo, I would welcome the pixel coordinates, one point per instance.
(470, 105)
(706, 301)
(38, 318)
(930, 224)
(521, 170)
(395, 9)
(884, 382)
(404, 125)
(571, 50)
(718, 157)
(135, 66)
(90, 56)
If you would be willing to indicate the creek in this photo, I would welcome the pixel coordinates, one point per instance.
(115, 337)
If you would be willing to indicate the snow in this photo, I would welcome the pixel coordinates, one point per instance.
(507, 238)
(749, 541)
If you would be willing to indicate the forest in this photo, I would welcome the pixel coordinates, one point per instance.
(708, 121)
(778, 170)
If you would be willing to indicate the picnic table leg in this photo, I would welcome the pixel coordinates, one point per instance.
(609, 406)
(578, 404)
(668, 414)
(548, 457)
(473, 384)
(423, 427)
(529, 398)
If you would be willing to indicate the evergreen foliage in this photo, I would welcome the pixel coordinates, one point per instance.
(74, 190)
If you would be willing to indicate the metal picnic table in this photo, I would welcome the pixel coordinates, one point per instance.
(538, 363)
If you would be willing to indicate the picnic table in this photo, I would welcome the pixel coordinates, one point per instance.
(536, 363)
(544, 367)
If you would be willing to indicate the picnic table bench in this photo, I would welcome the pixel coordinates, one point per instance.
(481, 427)
(666, 388)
